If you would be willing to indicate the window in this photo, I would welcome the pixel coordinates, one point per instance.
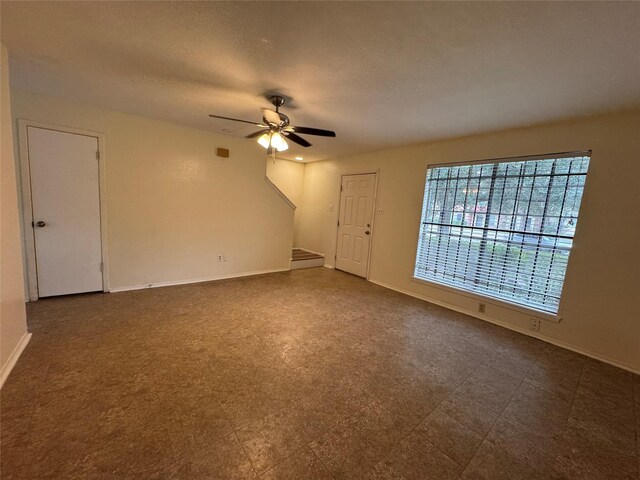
(502, 229)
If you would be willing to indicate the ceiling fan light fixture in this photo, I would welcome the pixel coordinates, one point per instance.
(278, 142)
(265, 140)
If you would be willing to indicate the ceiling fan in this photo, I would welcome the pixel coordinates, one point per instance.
(276, 128)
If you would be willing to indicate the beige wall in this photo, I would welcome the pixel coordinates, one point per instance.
(600, 305)
(13, 323)
(288, 176)
(172, 204)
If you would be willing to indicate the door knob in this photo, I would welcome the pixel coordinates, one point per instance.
(39, 223)
(367, 232)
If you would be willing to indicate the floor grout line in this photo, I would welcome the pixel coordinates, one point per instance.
(320, 460)
(515, 391)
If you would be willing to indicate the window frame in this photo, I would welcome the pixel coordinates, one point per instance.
(484, 297)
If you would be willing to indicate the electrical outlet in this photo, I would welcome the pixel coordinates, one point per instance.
(482, 307)
(534, 324)
(331, 207)
(380, 211)
(220, 257)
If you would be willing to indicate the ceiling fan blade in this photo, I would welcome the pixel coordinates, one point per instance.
(314, 131)
(235, 120)
(257, 134)
(270, 116)
(295, 138)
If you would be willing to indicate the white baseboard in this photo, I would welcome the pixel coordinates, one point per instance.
(13, 358)
(281, 193)
(197, 280)
(537, 335)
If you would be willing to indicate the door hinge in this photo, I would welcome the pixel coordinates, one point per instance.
(97, 154)
(101, 266)
(338, 222)
(340, 187)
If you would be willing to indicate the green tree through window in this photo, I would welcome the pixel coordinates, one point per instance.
(502, 229)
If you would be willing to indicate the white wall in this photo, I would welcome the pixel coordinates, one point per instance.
(172, 204)
(288, 176)
(13, 322)
(600, 304)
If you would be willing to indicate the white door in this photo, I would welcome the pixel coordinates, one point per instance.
(354, 223)
(65, 194)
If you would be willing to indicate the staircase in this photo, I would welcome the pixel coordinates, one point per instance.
(303, 259)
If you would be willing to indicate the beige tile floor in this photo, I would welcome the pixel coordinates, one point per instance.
(310, 374)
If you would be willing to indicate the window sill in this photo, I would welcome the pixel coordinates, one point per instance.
(538, 314)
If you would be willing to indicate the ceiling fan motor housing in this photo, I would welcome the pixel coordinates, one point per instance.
(277, 101)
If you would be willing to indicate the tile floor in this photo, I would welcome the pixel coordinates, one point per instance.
(309, 374)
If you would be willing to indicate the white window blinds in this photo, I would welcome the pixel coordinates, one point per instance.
(503, 229)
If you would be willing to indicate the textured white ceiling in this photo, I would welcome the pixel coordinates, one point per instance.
(379, 74)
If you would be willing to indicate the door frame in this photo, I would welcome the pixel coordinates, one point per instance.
(375, 172)
(27, 205)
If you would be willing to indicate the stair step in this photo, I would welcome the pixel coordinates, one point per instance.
(303, 259)
(299, 254)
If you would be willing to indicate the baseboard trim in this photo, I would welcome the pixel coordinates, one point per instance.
(529, 333)
(280, 192)
(13, 358)
(197, 280)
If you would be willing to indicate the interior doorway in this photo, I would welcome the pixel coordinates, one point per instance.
(64, 224)
(355, 223)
